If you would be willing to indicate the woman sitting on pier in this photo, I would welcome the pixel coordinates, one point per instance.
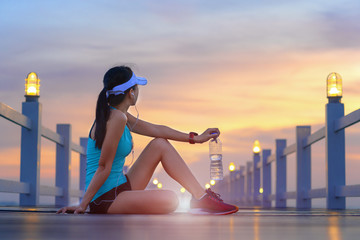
(107, 189)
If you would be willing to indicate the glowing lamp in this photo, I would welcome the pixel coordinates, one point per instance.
(207, 186)
(182, 190)
(334, 87)
(155, 181)
(261, 190)
(32, 85)
(231, 167)
(159, 186)
(256, 147)
(212, 182)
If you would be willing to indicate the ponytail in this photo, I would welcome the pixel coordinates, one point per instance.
(112, 78)
(102, 115)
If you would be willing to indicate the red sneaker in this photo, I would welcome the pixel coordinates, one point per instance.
(211, 204)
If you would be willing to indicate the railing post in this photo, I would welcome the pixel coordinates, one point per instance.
(237, 186)
(83, 143)
(242, 185)
(248, 183)
(256, 179)
(335, 156)
(280, 173)
(222, 187)
(303, 168)
(63, 165)
(229, 194)
(226, 188)
(266, 178)
(30, 153)
(219, 188)
(232, 178)
(215, 187)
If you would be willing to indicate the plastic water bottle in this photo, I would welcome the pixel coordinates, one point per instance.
(215, 152)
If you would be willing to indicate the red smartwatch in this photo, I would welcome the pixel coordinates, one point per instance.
(191, 137)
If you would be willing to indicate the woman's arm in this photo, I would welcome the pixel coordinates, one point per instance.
(114, 130)
(97, 181)
(161, 131)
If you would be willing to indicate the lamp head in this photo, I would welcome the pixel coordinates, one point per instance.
(256, 147)
(32, 87)
(232, 167)
(155, 181)
(334, 87)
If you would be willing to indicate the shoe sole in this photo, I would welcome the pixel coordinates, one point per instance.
(201, 211)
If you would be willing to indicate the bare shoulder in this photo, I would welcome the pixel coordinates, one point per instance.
(117, 118)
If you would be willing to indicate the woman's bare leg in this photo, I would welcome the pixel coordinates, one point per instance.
(155, 201)
(160, 150)
(144, 202)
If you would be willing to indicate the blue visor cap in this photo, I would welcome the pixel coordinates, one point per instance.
(120, 89)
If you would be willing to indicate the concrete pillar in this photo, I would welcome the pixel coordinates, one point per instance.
(256, 179)
(242, 185)
(335, 156)
(248, 183)
(280, 173)
(30, 153)
(63, 165)
(266, 178)
(83, 143)
(303, 168)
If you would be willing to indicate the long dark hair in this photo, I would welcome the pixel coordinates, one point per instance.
(113, 77)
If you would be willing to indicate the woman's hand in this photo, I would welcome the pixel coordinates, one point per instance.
(72, 209)
(207, 135)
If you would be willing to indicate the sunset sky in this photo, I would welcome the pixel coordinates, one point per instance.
(254, 69)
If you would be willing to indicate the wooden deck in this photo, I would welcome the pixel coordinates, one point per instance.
(43, 223)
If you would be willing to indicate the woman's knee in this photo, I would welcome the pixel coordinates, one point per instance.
(160, 143)
(169, 201)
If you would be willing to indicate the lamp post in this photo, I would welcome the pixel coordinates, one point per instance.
(31, 142)
(265, 189)
(256, 172)
(334, 143)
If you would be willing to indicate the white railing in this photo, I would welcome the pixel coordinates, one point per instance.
(251, 184)
(32, 131)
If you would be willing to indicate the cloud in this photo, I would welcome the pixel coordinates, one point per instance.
(340, 25)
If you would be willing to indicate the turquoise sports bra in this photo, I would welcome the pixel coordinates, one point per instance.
(116, 176)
